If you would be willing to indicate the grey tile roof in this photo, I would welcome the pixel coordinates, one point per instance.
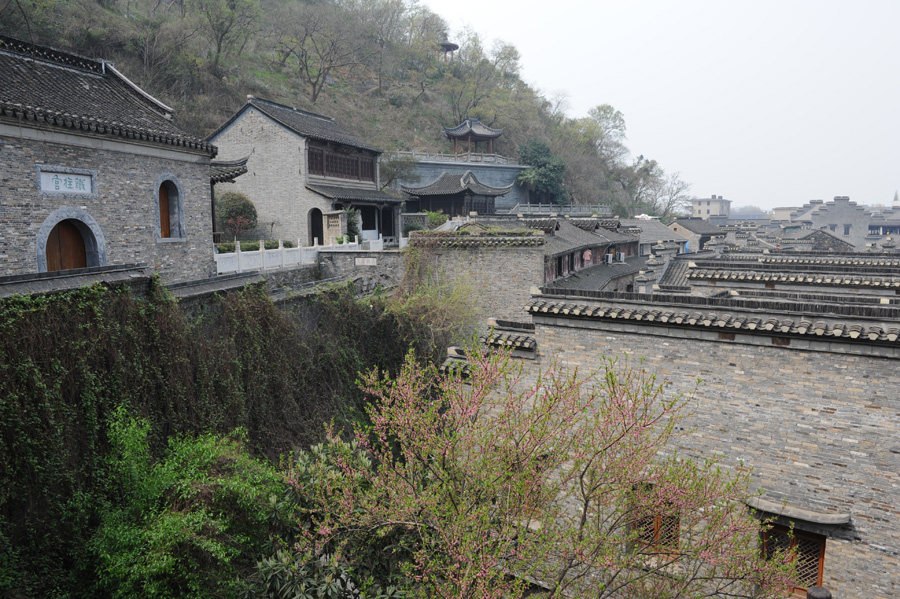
(829, 322)
(454, 183)
(301, 122)
(354, 194)
(653, 231)
(568, 238)
(595, 278)
(698, 225)
(56, 89)
(226, 171)
(473, 126)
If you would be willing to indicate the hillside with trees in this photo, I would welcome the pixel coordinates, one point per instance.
(373, 65)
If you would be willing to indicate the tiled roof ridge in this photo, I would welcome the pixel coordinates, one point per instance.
(93, 125)
(254, 99)
(144, 122)
(51, 55)
(476, 241)
(757, 306)
(469, 124)
(800, 324)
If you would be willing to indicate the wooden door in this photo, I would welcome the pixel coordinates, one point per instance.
(164, 228)
(65, 247)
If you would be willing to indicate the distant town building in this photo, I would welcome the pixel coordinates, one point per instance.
(711, 206)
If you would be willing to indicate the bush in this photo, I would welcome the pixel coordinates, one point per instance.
(189, 524)
(411, 227)
(435, 219)
(235, 213)
(228, 247)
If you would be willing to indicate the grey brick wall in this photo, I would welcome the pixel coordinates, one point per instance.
(500, 278)
(125, 205)
(820, 429)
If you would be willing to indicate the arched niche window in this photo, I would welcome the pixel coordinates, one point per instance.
(169, 203)
(69, 238)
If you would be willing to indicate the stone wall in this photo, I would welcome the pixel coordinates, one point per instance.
(500, 277)
(122, 210)
(367, 269)
(276, 176)
(821, 429)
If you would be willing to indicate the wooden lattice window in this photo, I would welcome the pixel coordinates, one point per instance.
(366, 169)
(808, 553)
(659, 531)
(316, 161)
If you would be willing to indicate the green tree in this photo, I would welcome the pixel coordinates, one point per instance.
(544, 177)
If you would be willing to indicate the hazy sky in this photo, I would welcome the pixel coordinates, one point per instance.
(771, 103)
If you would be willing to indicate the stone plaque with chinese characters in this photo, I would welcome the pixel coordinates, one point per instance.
(65, 183)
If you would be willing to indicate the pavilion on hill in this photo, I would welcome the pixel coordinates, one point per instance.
(472, 130)
(454, 195)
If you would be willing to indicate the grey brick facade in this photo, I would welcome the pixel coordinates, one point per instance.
(123, 207)
(818, 422)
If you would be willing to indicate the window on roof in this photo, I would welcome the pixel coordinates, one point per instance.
(808, 555)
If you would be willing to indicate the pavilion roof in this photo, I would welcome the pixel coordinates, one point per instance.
(453, 184)
(473, 127)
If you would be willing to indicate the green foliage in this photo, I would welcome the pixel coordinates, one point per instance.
(435, 219)
(373, 562)
(228, 247)
(353, 221)
(396, 168)
(69, 360)
(236, 213)
(544, 177)
(188, 525)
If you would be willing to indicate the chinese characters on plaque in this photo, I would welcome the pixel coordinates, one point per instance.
(65, 183)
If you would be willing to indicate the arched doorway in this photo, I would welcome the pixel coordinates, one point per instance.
(69, 238)
(316, 228)
(65, 247)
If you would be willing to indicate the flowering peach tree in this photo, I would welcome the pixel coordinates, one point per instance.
(487, 485)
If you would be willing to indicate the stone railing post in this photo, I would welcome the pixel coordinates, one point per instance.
(818, 593)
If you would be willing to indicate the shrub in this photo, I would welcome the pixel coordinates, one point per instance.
(236, 213)
(189, 524)
(435, 219)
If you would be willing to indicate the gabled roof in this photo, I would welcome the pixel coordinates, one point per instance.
(652, 231)
(307, 124)
(475, 127)
(354, 194)
(60, 90)
(699, 226)
(452, 184)
(568, 238)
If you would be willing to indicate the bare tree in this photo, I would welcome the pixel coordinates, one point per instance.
(225, 22)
